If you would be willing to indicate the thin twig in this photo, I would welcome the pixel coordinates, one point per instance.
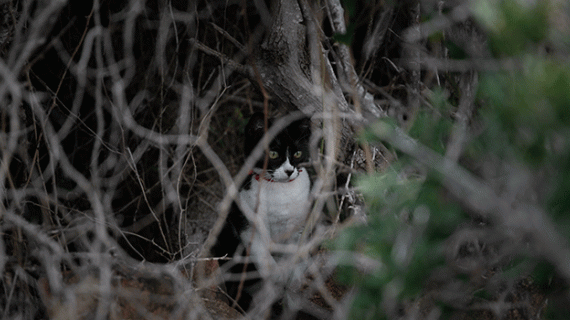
(244, 70)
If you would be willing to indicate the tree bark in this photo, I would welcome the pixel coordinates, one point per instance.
(294, 68)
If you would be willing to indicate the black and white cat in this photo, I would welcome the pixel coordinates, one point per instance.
(276, 195)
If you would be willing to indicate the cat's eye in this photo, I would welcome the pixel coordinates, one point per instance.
(298, 154)
(273, 154)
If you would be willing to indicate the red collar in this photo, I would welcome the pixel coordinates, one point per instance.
(257, 177)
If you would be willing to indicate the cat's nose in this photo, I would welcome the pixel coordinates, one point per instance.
(289, 172)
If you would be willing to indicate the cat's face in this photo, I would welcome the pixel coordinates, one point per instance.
(288, 150)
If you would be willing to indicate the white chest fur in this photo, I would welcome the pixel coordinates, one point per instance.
(283, 206)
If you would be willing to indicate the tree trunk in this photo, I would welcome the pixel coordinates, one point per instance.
(293, 66)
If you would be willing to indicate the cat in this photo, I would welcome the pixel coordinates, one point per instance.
(277, 192)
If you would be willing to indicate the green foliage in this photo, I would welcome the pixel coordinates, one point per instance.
(432, 127)
(345, 38)
(410, 218)
(531, 110)
(237, 121)
(514, 24)
(525, 115)
(355, 12)
(455, 51)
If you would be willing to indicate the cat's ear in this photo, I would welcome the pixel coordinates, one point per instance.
(301, 128)
(305, 125)
(255, 128)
